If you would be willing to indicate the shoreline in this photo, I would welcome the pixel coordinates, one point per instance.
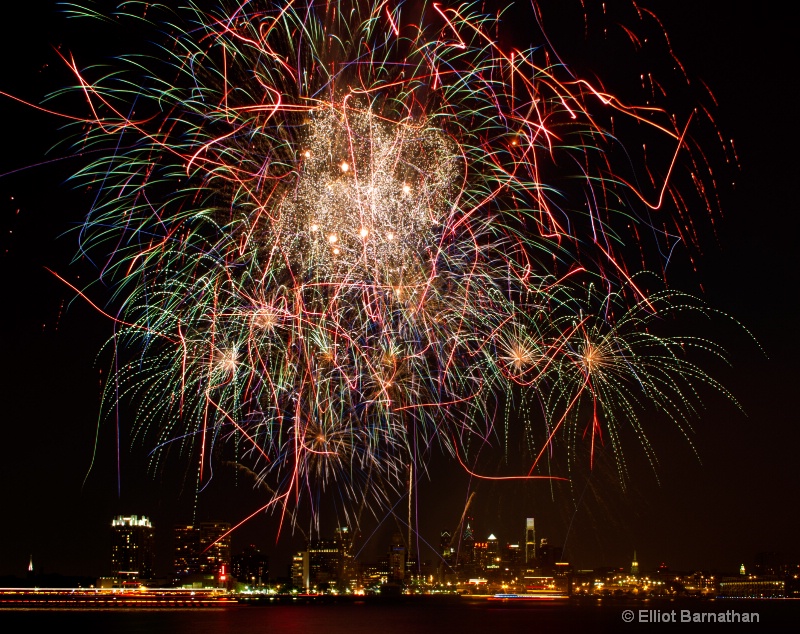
(93, 599)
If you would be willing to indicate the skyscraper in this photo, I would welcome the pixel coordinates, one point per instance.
(131, 548)
(466, 554)
(492, 553)
(530, 542)
(445, 548)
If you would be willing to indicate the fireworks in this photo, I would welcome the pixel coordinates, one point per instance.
(342, 235)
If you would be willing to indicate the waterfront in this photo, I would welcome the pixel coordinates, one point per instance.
(713, 517)
(394, 617)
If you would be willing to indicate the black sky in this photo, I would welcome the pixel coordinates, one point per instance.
(717, 508)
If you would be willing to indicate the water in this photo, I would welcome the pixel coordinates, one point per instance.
(584, 616)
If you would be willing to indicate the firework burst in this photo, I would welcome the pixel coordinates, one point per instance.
(337, 242)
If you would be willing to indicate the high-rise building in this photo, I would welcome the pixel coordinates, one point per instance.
(530, 542)
(479, 555)
(445, 545)
(446, 552)
(511, 563)
(466, 552)
(185, 547)
(413, 566)
(132, 551)
(324, 563)
(202, 550)
(214, 547)
(511, 555)
(397, 558)
(492, 553)
(348, 568)
(251, 567)
(300, 570)
(327, 564)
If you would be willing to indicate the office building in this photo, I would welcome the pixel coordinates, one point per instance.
(324, 563)
(530, 542)
(492, 553)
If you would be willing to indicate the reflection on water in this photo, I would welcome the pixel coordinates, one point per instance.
(584, 616)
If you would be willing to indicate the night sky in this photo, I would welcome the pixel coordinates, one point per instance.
(62, 478)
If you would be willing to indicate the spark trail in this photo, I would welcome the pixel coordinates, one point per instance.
(340, 233)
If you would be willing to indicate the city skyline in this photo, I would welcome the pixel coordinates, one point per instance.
(730, 498)
(202, 557)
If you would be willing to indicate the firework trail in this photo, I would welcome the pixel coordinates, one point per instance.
(342, 235)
